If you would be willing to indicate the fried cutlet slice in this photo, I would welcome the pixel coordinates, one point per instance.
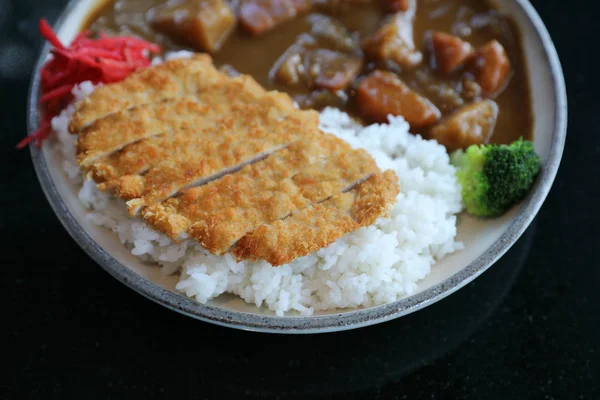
(302, 169)
(218, 231)
(201, 164)
(221, 155)
(375, 197)
(236, 134)
(116, 131)
(174, 78)
(175, 215)
(319, 225)
(302, 233)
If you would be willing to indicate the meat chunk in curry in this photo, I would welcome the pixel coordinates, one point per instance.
(382, 93)
(327, 58)
(260, 16)
(471, 124)
(205, 24)
(395, 42)
(331, 69)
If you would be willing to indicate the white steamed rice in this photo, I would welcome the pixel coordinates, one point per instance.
(374, 265)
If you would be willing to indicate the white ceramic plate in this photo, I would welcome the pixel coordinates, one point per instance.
(485, 241)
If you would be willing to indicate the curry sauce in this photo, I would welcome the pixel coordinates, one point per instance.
(474, 21)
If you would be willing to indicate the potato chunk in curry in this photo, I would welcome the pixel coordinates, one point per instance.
(205, 24)
(471, 124)
(383, 93)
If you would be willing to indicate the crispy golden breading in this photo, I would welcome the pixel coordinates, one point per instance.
(222, 211)
(218, 231)
(232, 189)
(236, 134)
(302, 233)
(374, 197)
(204, 163)
(139, 157)
(216, 157)
(171, 79)
(174, 174)
(236, 189)
(338, 173)
(116, 131)
(317, 226)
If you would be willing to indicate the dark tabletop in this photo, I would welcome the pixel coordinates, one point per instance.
(529, 328)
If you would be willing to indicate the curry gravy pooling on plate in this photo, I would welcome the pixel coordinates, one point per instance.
(442, 64)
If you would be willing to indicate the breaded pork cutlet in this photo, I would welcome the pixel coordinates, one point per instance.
(226, 150)
(175, 216)
(188, 160)
(222, 211)
(319, 225)
(228, 164)
(174, 78)
(238, 130)
(221, 154)
(112, 133)
(200, 163)
(218, 231)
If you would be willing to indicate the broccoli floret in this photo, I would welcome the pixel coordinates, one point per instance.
(495, 177)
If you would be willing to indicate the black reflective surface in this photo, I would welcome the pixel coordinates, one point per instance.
(529, 328)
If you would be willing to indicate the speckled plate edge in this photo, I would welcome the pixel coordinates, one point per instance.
(330, 322)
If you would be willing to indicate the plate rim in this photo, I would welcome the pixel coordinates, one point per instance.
(321, 323)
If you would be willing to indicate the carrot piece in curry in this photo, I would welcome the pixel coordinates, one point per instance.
(449, 52)
(383, 93)
(493, 68)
